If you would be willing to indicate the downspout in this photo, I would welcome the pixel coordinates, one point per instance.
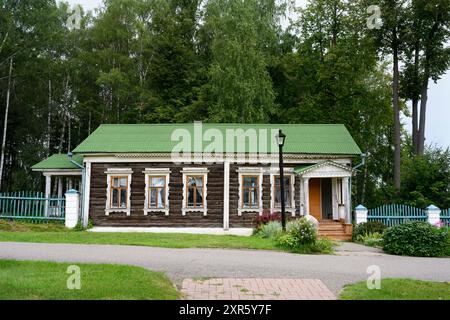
(363, 163)
(83, 182)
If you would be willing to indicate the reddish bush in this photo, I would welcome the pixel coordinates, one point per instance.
(267, 217)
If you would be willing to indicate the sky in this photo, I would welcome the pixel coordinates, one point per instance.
(438, 108)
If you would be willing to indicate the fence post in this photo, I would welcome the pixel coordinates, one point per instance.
(72, 208)
(433, 214)
(361, 214)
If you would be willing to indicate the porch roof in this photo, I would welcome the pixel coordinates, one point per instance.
(315, 139)
(58, 162)
(306, 169)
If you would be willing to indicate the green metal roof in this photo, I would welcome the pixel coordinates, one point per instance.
(149, 138)
(58, 162)
(303, 168)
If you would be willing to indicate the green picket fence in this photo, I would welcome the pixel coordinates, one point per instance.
(31, 206)
(394, 214)
(445, 216)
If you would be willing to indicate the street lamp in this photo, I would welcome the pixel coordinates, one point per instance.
(281, 137)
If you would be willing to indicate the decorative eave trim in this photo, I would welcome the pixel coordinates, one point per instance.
(324, 163)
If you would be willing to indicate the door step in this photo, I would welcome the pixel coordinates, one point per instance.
(335, 230)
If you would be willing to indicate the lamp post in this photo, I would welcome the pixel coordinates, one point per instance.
(281, 137)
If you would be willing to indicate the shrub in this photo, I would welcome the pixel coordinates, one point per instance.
(301, 236)
(416, 239)
(265, 218)
(291, 242)
(370, 227)
(270, 230)
(370, 239)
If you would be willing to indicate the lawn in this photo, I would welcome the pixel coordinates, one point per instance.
(52, 233)
(26, 280)
(398, 289)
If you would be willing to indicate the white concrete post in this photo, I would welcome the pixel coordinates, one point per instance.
(361, 214)
(72, 208)
(433, 215)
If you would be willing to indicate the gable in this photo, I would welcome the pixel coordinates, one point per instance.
(328, 169)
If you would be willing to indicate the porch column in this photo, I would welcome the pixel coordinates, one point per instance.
(335, 198)
(48, 188)
(306, 196)
(60, 187)
(347, 200)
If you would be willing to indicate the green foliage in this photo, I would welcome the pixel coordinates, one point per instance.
(370, 239)
(301, 237)
(416, 239)
(426, 179)
(370, 227)
(270, 230)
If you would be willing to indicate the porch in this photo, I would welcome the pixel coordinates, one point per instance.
(325, 195)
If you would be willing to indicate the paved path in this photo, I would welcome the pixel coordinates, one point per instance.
(255, 289)
(333, 270)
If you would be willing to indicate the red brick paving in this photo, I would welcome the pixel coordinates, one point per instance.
(255, 289)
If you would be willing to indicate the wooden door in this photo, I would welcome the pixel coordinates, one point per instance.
(315, 207)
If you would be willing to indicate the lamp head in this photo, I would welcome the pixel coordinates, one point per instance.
(281, 138)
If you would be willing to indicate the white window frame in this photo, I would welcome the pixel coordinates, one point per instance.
(156, 172)
(195, 172)
(118, 172)
(248, 171)
(288, 173)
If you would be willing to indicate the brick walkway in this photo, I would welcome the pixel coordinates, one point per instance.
(255, 289)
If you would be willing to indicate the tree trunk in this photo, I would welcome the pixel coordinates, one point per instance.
(415, 100)
(49, 117)
(396, 106)
(5, 127)
(422, 120)
(415, 127)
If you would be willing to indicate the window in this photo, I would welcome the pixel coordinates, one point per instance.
(250, 190)
(289, 190)
(118, 193)
(156, 190)
(195, 182)
(195, 191)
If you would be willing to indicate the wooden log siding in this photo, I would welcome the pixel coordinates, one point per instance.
(215, 190)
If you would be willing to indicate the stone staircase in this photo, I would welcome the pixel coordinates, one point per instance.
(335, 230)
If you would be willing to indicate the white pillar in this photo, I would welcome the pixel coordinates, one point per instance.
(48, 190)
(346, 192)
(226, 195)
(60, 187)
(433, 215)
(306, 195)
(86, 193)
(361, 214)
(335, 199)
(72, 208)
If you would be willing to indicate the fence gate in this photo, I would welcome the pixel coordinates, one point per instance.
(394, 214)
(445, 216)
(31, 207)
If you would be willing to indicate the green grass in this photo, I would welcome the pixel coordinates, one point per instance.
(398, 289)
(26, 280)
(21, 232)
